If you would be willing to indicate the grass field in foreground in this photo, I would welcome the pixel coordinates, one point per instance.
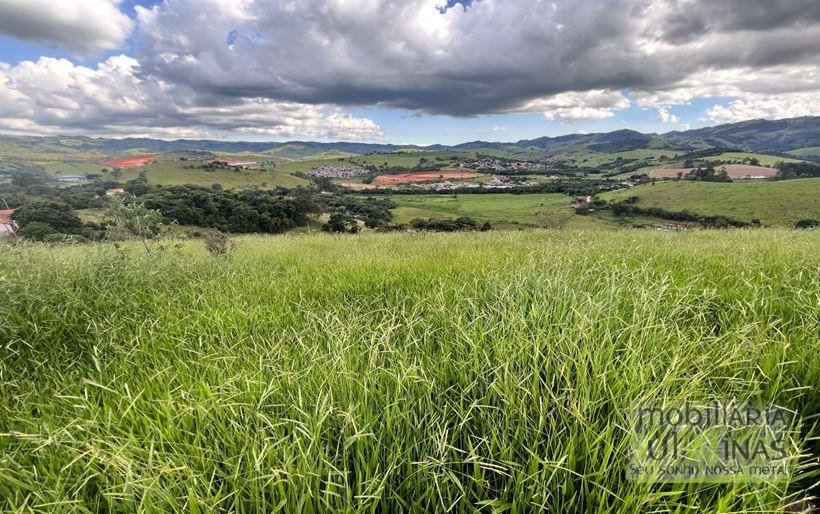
(396, 372)
(773, 203)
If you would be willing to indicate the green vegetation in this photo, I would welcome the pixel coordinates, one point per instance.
(773, 203)
(392, 373)
(523, 209)
(812, 152)
(613, 159)
(170, 173)
(743, 157)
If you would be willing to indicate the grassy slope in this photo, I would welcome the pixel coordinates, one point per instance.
(765, 160)
(598, 159)
(178, 172)
(538, 210)
(776, 203)
(492, 207)
(812, 151)
(393, 372)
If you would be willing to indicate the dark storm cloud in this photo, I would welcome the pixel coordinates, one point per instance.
(494, 56)
(286, 68)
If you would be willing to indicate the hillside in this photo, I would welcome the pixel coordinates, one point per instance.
(779, 136)
(755, 135)
(773, 203)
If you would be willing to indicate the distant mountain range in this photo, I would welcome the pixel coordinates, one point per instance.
(763, 136)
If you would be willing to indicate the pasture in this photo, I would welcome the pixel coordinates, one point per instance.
(763, 159)
(773, 203)
(498, 208)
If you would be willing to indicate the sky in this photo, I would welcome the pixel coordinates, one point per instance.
(401, 71)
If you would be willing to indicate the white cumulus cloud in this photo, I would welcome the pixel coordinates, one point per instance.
(766, 106)
(587, 105)
(57, 96)
(85, 26)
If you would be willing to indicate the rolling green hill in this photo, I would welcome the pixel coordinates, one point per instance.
(763, 159)
(762, 136)
(812, 152)
(773, 203)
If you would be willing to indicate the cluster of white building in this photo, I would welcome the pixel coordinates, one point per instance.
(336, 171)
(498, 165)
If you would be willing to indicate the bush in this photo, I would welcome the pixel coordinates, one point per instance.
(37, 231)
(456, 225)
(806, 223)
(218, 243)
(340, 222)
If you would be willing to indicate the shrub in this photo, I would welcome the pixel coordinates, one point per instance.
(37, 231)
(806, 223)
(218, 243)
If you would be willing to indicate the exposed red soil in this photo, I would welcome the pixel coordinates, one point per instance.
(129, 162)
(421, 176)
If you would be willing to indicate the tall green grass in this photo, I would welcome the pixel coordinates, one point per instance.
(393, 373)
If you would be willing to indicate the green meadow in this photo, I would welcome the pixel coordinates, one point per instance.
(413, 372)
(505, 209)
(772, 202)
(765, 160)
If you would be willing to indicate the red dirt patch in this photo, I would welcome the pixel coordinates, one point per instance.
(734, 171)
(129, 162)
(421, 176)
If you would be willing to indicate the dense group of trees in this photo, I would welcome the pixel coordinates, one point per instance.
(789, 170)
(245, 211)
(569, 187)
(374, 212)
(456, 225)
(43, 219)
(708, 174)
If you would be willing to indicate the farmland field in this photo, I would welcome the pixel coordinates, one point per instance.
(428, 176)
(393, 373)
(776, 203)
(524, 209)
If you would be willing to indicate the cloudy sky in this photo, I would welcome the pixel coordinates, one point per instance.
(403, 71)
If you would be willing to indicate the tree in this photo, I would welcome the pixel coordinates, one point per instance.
(58, 215)
(340, 222)
(25, 179)
(37, 231)
(136, 220)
